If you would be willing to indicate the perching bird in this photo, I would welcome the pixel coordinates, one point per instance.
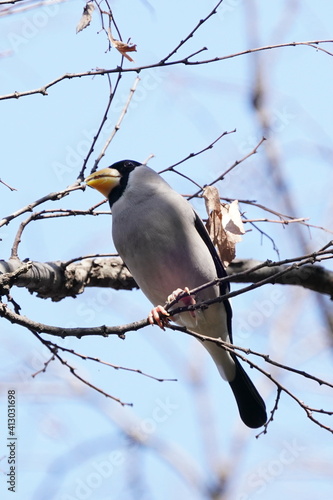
(167, 249)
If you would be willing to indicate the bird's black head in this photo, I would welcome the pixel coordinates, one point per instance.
(112, 181)
(124, 168)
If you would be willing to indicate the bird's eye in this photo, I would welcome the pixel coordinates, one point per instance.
(129, 165)
(124, 167)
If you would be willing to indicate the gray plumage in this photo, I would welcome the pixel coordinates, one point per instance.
(165, 246)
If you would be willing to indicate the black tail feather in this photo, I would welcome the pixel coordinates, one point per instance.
(250, 404)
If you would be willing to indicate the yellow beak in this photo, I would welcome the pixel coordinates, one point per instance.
(104, 180)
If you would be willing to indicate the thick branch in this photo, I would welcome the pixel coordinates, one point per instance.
(58, 331)
(57, 280)
(312, 277)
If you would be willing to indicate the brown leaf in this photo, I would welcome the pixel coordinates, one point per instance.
(86, 17)
(123, 48)
(232, 222)
(224, 224)
(212, 199)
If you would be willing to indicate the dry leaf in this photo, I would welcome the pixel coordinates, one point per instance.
(232, 222)
(224, 224)
(86, 17)
(122, 47)
(212, 199)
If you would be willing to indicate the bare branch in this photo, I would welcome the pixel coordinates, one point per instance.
(4, 2)
(190, 35)
(50, 214)
(106, 363)
(99, 72)
(280, 388)
(274, 277)
(8, 279)
(235, 164)
(284, 222)
(57, 280)
(13, 9)
(100, 128)
(7, 185)
(55, 355)
(117, 126)
(36, 327)
(312, 277)
(193, 155)
(49, 197)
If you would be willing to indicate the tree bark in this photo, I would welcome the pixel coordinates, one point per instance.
(57, 280)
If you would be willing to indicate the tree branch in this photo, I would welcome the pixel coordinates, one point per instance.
(49, 197)
(280, 388)
(309, 276)
(56, 331)
(190, 35)
(37, 328)
(57, 280)
(99, 72)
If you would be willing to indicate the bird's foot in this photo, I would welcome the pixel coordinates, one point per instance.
(159, 316)
(187, 299)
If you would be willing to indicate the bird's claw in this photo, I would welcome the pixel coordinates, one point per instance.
(187, 299)
(159, 316)
(174, 296)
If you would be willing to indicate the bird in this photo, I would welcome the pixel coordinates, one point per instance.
(166, 247)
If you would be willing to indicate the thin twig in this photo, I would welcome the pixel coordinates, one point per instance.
(99, 72)
(46, 364)
(106, 363)
(284, 222)
(190, 35)
(193, 155)
(7, 185)
(111, 20)
(13, 9)
(54, 350)
(49, 197)
(49, 214)
(231, 348)
(273, 411)
(112, 93)
(117, 126)
(285, 219)
(235, 164)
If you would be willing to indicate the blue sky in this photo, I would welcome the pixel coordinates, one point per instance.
(69, 439)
